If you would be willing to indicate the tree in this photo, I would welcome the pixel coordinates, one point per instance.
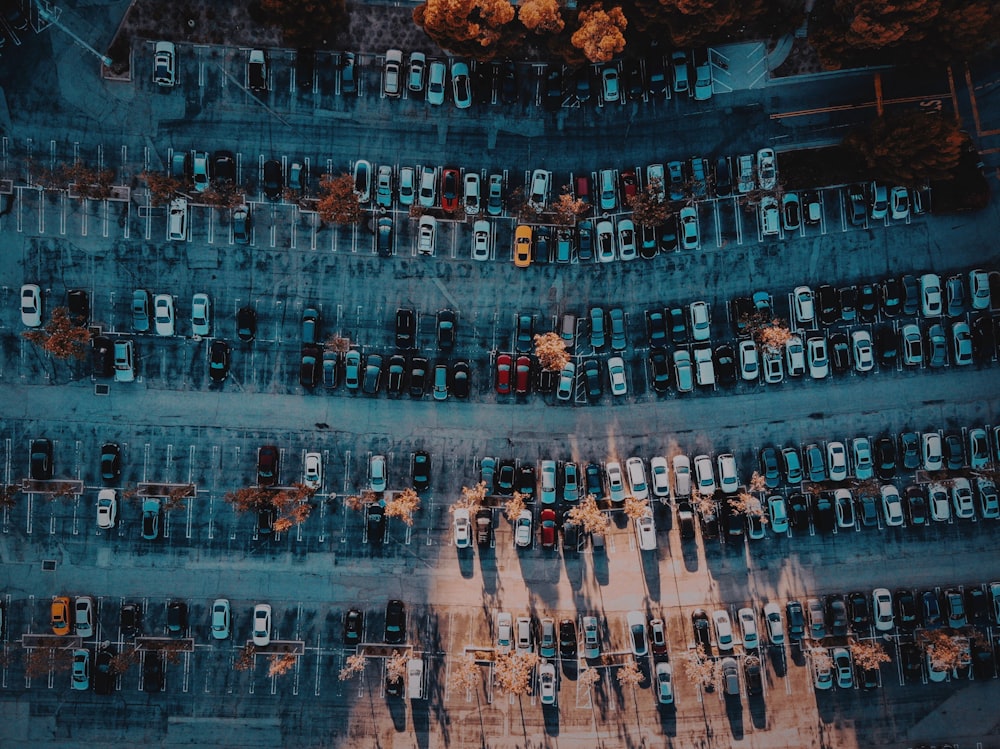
(601, 33)
(699, 668)
(773, 334)
(306, 23)
(395, 666)
(60, 336)
(587, 514)
(8, 495)
(869, 654)
(279, 664)
(704, 504)
(355, 665)
(945, 654)
(162, 187)
(292, 505)
(245, 660)
(338, 343)
(358, 503)
(466, 674)
(87, 182)
(337, 201)
(647, 207)
(41, 661)
(123, 661)
(749, 505)
(821, 659)
(636, 508)
(402, 505)
(757, 482)
(223, 195)
(541, 16)
(550, 349)
(514, 506)
(908, 148)
(567, 210)
(471, 499)
(589, 677)
(512, 672)
(629, 675)
(480, 28)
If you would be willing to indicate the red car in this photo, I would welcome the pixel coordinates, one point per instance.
(523, 374)
(449, 189)
(503, 374)
(548, 529)
(629, 185)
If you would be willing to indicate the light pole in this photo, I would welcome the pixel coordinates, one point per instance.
(51, 17)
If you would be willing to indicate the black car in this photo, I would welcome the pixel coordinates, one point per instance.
(827, 304)
(824, 517)
(678, 326)
(860, 613)
(177, 618)
(104, 679)
(723, 175)
(354, 626)
(976, 604)
(152, 671)
(406, 328)
(102, 358)
(267, 465)
(916, 505)
(310, 365)
(848, 304)
(885, 458)
(111, 462)
(484, 527)
(906, 609)
(709, 521)
(857, 206)
(983, 338)
(395, 622)
(930, 609)
(909, 446)
(130, 619)
(912, 658)
(418, 377)
(911, 295)
(868, 302)
(751, 670)
(78, 303)
(218, 360)
(567, 638)
(798, 511)
(396, 374)
(725, 365)
(868, 677)
(634, 83)
(836, 615)
(656, 327)
(223, 167)
(246, 323)
(892, 297)
(265, 519)
(273, 179)
(393, 687)
(769, 467)
(540, 246)
(840, 352)
(375, 522)
(595, 484)
(420, 470)
(796, 621)
(526, 480)
(482, 83)
(594, 378)
(460, 377)
(702, 630)
(954, 452)
(887, 346)
(505, 478)
(41, 460)
(659, 364)
(983, 662)
(740, 311)
(383, 236)
(581, 84)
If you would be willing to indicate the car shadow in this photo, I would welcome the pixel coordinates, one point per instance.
(488, 570)
(758, 711)
(778, 664)
(466, 562)
(734, 712)
(651, 572)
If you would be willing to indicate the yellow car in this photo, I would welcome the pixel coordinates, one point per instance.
(522, 246)
(60, 615)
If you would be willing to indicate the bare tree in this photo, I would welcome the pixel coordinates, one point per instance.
(338, 343)
(699, 668)
(162, 188)
(471, 499)
(512, 672)
(636, 508)
(587, 514)
(279, 664)
(121, 662)
(355, 665)
(40, 661)
(750, 505)
(514, 506)
(402, 505)
(589, 677)
(245, 660)
(61, 337)
(703, 503)
(8, 495)
(629, 675)
(944, 651)
(550, 349)
(466, 674)
(869, 654)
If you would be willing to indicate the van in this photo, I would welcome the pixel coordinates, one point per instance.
(124, 362)
(568, 331)
(704, 369)
(522, 635)
(177, 219)
(609, 199)
(415, 678)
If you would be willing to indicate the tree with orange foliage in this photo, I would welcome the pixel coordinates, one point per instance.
(908, 148)
(479, 28)
(279, 664)
(162, 188)
(550, 349)
(568, 209)
(60, 337)
(541, 16)
(647, 208)
(337, 201)
(402, 505)
(601, 34)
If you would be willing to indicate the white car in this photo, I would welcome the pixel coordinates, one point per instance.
(616, 482)
(636, 624)
(522, 529)
(312, 472)
(892, 507)
(564, 391)
(591, 637)
(778, 511)
(107, 509)
(547, 683)
(844, 504)
(836, 459)
(882, 609)
(616, 373)
(626, 239)
(377, 478)
(683, 371)
(931, 304)
(775, 626)
(426, 230)
(899, 200)
(262, 625)
(682, 476)
(979, 289)
(481, 240)
(605, 242)
(201, 314)
(913, 345)
(540, 181)
(749, 360)
(795, 356)
(646, 531)
(659, 476)
(861, 447)
(774, 370)
(689, 228)
(961, 497)
(221, 619)
(470, 193)
(729, 480)
(723, 629)
(748, 625)
(818, 358)
(989, 504)
(933, 458)
(864, 351)
(505, 632)
(407, 182)
(163, 314)
(704, 475)
(823, 672)
(547, 482)
(636, 472)
(436, 77)
(804, 304)
(701, 322)
(31, 305)
(664, 683)
(463, 528)
(164, 57)
(937, 498)
(767, 172)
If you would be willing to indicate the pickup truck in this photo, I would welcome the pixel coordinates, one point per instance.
(257, 70)
(746, 181)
